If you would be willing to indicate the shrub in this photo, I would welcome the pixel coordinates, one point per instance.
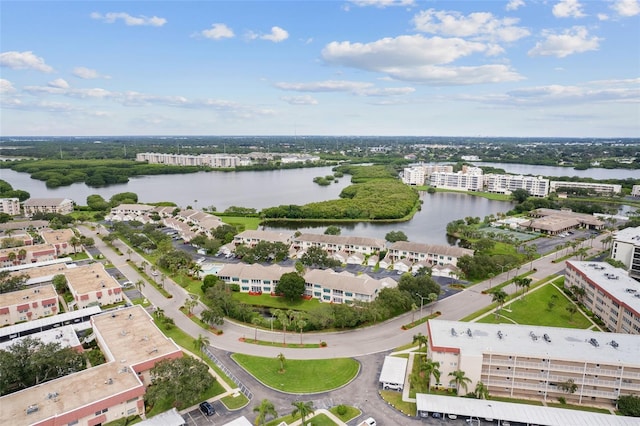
(562, 400)
(341, 409)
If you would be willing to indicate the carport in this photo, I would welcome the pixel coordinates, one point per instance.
(393, 372)
(506, 412)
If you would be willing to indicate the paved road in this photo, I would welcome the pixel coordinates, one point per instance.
(367, 345)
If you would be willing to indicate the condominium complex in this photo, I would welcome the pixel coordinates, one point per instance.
(600, 188)
(10, 206)
(608, 292)
(469, 179)
(417, 175)
(506, 184)
(92, 285)
(554, 222)
(626, 249)
(132, 345)
(251, 237)
(47, 205)
(28, 304)
(533, 362)
(635, 191)
(335, 243)
(204, 160)
(429, 253)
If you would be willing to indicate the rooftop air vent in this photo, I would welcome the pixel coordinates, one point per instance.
(546, 338)
(32, 408)
(614, 344)
(469, 332)
(453, 332)
(594, 342)
(500, 335)
(533, 336)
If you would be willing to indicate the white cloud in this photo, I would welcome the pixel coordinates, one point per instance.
(87, 73)
(59, 83)
(354, 87)
(382, 3)
(450, 76)
(300, 100)
(129, 20)
(568, 9)
(23, 61)
(573, 40)
(514, 4)
(6, 87)
(218, 32)
(277, 35)
(480, 25)
(627, 7)
(603, 17)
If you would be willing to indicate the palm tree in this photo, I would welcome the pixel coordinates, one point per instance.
(459, 380)
(282, 360)
(569, 386)
(201, 341)
(499, 296)
(189, 304)
(129, 252)
(266, 408)
(572, 309)
(12, 257)
(162, 278)
(301, 324)
(432, 297)
(22, 254)
(159, 313)
(283, 317)
(481, 391)
(139, 285)
(256, 321)
(431, 368)
(304, 409)
(421, 339)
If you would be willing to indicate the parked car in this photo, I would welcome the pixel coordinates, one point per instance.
(207, 409)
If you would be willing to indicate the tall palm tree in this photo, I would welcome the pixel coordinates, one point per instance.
(421, 339)
(431, 368)
(283, 317)
(139, 285)
(432, 297)
(201, 341)
(282, 360)
(481, 391)
(266, 408)
(459, 380)
(75, 242)
(304, 409)
(499, 296)
(162, 278)
(256, 321)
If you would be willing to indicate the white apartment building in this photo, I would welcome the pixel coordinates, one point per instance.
(28, 304)
(24, 255)
(635, 191)
(469, 179)
(626, 249)
(336, 243)
(47, 205)
(254, 278)
(204, 160)
(343, 287)
(609, 293)
(506, 184)
(431, 254)
(251, 237)
(10, 206)
(533, 362)
(600, 188)
(418, 175)
(92, 285)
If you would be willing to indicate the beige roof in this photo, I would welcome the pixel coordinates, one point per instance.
(552, 223)
(342, 240)
(52, 202)
(431, 248)
(581, 217)
(29, 249)
(52, 236)
(251, 234)
(28, 295)
(24, 224)
(255, 271)
(48, 271)
(134, 207)
(88, 278)
(362, 284)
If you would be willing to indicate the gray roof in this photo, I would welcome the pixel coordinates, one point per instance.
(168, 418)
(522, 413)
(361, 284)
(431, 248)
(46, 201)
(393, 370)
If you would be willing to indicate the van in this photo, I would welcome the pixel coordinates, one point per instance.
(369, 422)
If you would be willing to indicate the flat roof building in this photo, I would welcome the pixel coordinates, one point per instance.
(608, 292)
(429, 253)
(533, 362)
(28, 304)
(626, 249)
(47, 205)
(92, 285)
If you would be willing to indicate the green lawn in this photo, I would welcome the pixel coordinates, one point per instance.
(300, 376)
(248, 222)
(276, 302)
(534, 310)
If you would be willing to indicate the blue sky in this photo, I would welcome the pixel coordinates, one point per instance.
(567, 68)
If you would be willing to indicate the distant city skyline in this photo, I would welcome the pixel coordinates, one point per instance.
(517, 68)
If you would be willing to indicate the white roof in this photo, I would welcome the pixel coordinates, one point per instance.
(168, 418)
(394, 370)
(240, 421)
(628, 235)
(41, 324)
(522, 413)
(476, 339)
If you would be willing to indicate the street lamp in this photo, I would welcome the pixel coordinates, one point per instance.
(421, 302)
(502, 269)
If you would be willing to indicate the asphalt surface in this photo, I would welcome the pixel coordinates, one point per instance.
(367, 345)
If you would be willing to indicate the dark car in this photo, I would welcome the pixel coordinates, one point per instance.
(207, 409)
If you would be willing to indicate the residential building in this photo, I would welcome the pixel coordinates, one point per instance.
(253, 278)
(92, 285)
(626, 249)
(47, 205)
(635, 191)
(129, 212)
(11, 257)
(553, 222)
(335, 243)
(329, 286)
(535, 362)
(23, 225)
(600, 188)
(199, 222)
(429, 253)
(28, 304)
(506, 184)
(204, 160)
(252, 237)
(419, 174)
(10, 206)
(60, 239)
(469, 179)
(609, 293)
(132, 345)
(20, 238)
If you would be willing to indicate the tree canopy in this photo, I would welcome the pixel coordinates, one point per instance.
(291, 285)
(181, 381)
